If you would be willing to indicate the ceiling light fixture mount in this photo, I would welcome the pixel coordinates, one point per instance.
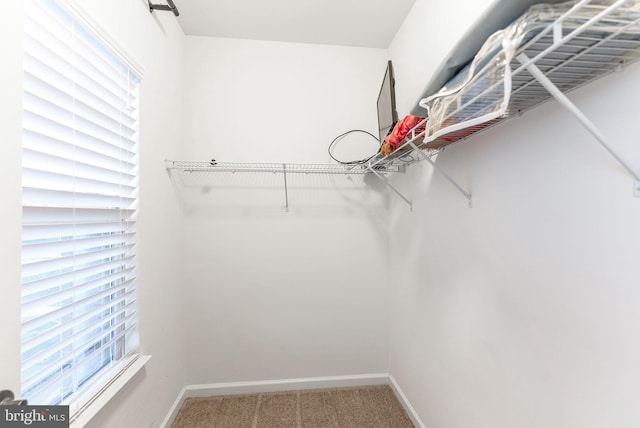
(169, 6)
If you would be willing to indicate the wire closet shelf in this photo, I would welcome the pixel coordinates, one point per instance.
(274, 167)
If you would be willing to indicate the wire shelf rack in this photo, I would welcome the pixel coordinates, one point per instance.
(591, 40)
(594, 38)
(262, 182)
(289, 168)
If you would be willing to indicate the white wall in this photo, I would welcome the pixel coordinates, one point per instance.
(520, 311)
(272, 294)
(259, 101)
(10, 150)
(155, 43)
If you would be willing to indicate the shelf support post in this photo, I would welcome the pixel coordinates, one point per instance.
(286, 192)
(444, 174)
(566, 102)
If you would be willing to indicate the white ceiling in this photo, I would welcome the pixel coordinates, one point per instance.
(366, 23)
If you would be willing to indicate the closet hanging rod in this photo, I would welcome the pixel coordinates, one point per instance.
(169, 6)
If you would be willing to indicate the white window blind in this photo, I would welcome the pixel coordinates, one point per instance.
(79, 205)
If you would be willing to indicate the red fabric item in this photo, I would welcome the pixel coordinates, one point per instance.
(401, 129)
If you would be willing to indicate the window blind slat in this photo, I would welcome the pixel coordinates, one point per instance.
(58, 230)
(83, 337)
(69, 79)
(53, 78)
(34, 196)
(46, 268)
(73, 215)
(72, 48)
(47, 113)
(69, 290)
(33, 368)
(86, 180)
(45, 127)
(48, 145)
(45, 286)
(70, 361)
(80, 334)
(30, 340)
(43, 99)
(61, 396)
(73, 247)
(66, 338)
(29, 365)
(42, 94)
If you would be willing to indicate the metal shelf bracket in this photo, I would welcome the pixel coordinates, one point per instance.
(170, 6)
(439, 169)
(388, 184)
(565, 102)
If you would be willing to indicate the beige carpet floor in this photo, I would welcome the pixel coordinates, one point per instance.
(360, 407)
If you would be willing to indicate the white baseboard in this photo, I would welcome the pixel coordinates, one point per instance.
(233, 388)
(173, 411)
(413, 415)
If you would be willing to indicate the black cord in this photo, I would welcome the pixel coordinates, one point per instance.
(354, 162)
